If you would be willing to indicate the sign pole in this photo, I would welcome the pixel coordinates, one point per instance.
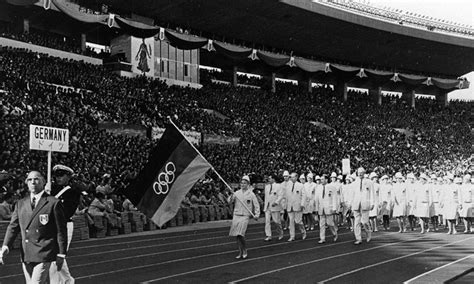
(49, 170)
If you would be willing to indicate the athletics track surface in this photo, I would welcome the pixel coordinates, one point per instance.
(207, 256)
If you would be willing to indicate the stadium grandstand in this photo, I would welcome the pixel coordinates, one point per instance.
(258, 86)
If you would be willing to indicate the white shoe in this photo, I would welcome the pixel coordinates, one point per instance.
(321, 241)
(357, 242)
(267, 239)
(291, 239)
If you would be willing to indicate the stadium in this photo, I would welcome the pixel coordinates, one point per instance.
(156, 112)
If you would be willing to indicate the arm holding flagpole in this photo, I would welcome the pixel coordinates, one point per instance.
(218, 175)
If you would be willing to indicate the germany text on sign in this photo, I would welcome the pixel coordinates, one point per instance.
(46, 138)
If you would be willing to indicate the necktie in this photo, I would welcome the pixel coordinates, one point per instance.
(271, 187)
(33, 203)
(293, 188)
(324, 191)
(361, 185)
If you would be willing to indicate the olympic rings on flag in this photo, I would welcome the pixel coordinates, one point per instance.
(162, 185)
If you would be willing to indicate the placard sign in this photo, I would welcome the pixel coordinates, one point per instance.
(46, 138)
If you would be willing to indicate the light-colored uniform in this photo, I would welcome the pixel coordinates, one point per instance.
(362, 203)
(375, 211)
(241, 216)
(273, 194)
(294, 200)
(399, 194)
(346, 197)
(308, 197)
(466, 193)
(326, 204)
(423, 200)
(386, 198)
(436, 195)
(411, 191)
(450, 201)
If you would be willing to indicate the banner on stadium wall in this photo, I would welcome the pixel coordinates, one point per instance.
(142, 55)
(220, 139)
(123, 129)
(346, 166)
(192, 136)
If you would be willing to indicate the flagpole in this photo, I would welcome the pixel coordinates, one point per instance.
(218, 175)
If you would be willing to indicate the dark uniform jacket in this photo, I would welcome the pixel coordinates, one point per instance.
(43, 230)
(70, 198)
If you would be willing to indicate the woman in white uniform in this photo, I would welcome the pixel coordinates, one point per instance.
(399, 194)
(422, 202)
(435, 213)
(308, 202)
(450, 203)
(386, 201)
(375, 211)
(466, 203)
(245, 205)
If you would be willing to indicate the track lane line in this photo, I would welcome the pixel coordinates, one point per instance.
(390, 260)
(163, 252)
(259, 258)
(221, 253)
(437, 268)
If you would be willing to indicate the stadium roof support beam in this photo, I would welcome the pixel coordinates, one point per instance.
(376, 94)
(234, 76)
(341, 89)
(410, 97)
(443, 99)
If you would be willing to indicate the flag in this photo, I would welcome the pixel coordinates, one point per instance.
(173, 167)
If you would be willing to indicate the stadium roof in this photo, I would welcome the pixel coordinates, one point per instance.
(314, 30)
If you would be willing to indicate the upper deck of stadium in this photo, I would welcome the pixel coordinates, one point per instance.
(322, 30)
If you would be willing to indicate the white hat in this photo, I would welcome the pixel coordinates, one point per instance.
(450, 176)
(467, 177)
(247, 178)
(372, 175)
(353, 176)
(349, 177)
(286, 174)
(310, 175)
(333, 175)
(423, 176)
(63, 168)
(361, 170)
(366, 176)
(384, 177)
(302, 176)
(440, 179)
(458, 180)
(339, 177)
(317, 177)
(411, 175)
(398, 175)
(433, 176)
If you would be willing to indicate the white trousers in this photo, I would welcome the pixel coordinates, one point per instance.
(295, 217)
(63, 276)
(275, 216)
(36, 273)
(326, 220)
(361, 218)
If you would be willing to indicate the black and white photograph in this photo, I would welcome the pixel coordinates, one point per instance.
(236, 141)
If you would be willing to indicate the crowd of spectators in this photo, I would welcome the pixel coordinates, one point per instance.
(277, 130)
(49, 39)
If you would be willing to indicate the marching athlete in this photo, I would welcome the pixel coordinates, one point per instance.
(285, 185)
(450, 204)
(308, 202)
(386, 201)
(467, 203)
(326, 205)
(362, 203)
(294, 204)
(272, 208)
(422, 202)
(400, 202)
(375, 211)
(39, 218)
(245, 205)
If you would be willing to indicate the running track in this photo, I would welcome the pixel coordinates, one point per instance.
(207, 255)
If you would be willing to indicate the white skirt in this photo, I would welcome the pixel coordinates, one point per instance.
(400, 210)
(467, 210)
(422, 210)
(239, 226)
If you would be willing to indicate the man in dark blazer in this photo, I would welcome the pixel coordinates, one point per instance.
(40, 220)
